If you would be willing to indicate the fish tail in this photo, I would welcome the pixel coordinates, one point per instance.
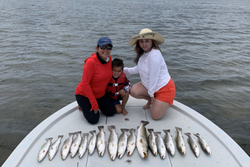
(157, 133)
(79, 132)
(70, 134)
(110, 128)
(178, 128)
(197, 134)
(131, 130)
(166, 131)
(60, 136)
(92, 132)
(100, 127)
(150, 130)
(124, 130)
(188, 134)
(144, 122)
(48, 139)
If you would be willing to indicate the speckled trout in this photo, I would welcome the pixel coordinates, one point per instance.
(66, 146)
(152, 141)
(180, 141)
(141, 141)
(160, 145)
(76, 144)
(92, 142)
(131, 142)
(203, 144)
(193, 144)
(83, 145)
(54, 147)
(168, 140)
(44, 149)
(122, 143)
(101, 145)
(112, 142)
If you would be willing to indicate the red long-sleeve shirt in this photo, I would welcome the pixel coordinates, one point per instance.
(95, 79)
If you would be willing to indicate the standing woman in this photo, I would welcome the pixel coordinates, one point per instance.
(156, 85)
(91, 91)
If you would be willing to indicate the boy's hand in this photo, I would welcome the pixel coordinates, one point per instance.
(122, 92)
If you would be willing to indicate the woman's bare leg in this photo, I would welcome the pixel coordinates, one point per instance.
(158, 109)
(140, 92)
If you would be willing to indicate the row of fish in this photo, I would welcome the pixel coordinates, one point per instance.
(118, 146)
(159, 145)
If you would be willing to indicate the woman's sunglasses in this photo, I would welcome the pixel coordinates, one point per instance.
(106, 47)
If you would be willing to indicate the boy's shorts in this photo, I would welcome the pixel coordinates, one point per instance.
(166, 93)
(117, 101)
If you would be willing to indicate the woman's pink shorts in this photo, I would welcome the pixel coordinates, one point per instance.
(166, 93)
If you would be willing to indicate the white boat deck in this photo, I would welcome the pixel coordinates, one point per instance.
(225, 152)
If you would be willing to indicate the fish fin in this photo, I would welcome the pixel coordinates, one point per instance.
(100, 127)
(43, 145)
(78, 132)
(92, 132)
(50, 138)
(70, 134)
(124, 130)
(132, 130)
(188, 134)
(150, 130)
(144, 122)
(197, 134)
(111, 127)
(157, 133)
(166, 131)
(178, 128)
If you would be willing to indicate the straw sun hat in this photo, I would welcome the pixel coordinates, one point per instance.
(147, 34)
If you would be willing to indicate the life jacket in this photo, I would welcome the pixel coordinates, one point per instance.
(115, 85)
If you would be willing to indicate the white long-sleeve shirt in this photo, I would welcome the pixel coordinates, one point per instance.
(153, 71)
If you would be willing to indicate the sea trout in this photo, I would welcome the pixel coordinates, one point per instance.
(66, 146)
(101, 145)
(180, 141)
(203, 144)
(54, 147)
(152, 141)
(92, 142)
(112, 142)
(76, 144)
(141, 142)
(193, 144)
(84, 145)
(160, 145)
(131, 142)
(122, 143)
(169, 142)
(44, 149)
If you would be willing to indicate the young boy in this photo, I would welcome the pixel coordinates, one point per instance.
(118, 86)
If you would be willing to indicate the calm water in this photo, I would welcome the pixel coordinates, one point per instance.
(43, 45)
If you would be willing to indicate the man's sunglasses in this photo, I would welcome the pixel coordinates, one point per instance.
(106, 47)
